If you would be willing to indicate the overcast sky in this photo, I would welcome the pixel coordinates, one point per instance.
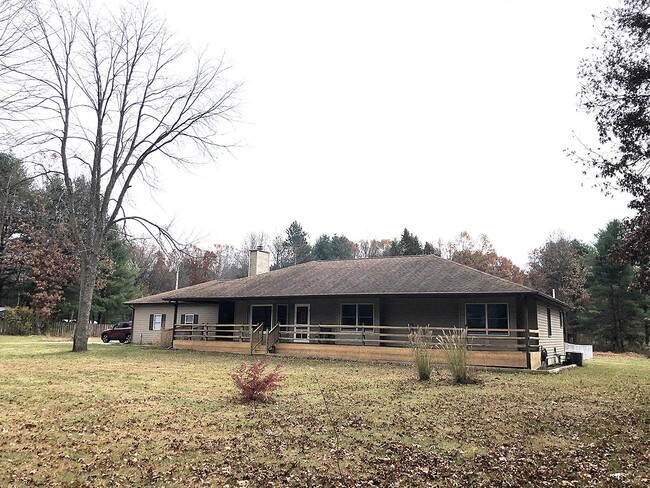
(363, 118)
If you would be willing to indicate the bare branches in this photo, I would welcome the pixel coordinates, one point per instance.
(114, 83)
(14, 41)
(159, 233)
(111, 94)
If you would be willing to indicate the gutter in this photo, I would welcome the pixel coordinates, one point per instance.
(376, 294)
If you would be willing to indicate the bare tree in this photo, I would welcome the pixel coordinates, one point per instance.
(113, 97)
(253, 240)
(279, 252)
(13, 41)
(372, 249)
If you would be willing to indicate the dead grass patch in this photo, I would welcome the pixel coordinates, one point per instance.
(142, 416)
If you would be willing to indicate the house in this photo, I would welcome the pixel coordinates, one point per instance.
(356, 309)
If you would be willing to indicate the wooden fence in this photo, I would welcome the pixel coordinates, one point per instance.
(57, 329)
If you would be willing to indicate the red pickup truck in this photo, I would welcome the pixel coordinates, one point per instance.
(121, 331)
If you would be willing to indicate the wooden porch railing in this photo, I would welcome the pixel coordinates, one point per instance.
(387, 336)
(257, 337)
(212, 332)
(273, 337)
(398, 336)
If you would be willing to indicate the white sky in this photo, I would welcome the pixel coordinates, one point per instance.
(363, 118)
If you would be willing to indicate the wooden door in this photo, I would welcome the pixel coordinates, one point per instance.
(301, 323)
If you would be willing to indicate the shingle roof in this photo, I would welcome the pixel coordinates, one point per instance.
(157, 298)
(404, 275)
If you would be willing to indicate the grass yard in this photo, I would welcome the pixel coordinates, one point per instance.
(136, 416)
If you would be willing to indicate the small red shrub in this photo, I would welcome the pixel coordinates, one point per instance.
(254, 382)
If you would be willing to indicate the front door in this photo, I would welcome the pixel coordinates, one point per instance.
(301, 322)
(226, 312)
(261, 314)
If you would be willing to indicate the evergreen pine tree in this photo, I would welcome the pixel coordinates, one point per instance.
(615, 311)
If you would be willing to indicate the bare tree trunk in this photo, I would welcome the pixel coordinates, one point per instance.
(87, 285)
(83, 63)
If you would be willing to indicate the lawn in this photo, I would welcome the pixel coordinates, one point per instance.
(137, 416)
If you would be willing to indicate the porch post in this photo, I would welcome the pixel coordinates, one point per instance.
(175, 319)
(527, 327)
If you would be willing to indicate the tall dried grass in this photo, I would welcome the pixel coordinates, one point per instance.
(455, 347)
(421, 341)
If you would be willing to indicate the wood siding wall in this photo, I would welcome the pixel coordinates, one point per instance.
(141, 332)
(321, 310)
(554, 343)
(439, 312)
(208, 312)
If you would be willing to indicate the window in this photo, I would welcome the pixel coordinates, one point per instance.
(282, 314)
(348, 315)
(548, 321)
(497, 316)
(358, 314)
(487, 317)
(156, 321)
(190, 318)
(561, 319)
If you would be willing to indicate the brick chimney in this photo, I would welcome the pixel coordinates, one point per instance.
(259, 262)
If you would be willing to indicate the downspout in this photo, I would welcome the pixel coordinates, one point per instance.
(174, 324)
(133, 325)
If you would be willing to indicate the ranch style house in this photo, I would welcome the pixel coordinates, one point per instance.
(357, 309)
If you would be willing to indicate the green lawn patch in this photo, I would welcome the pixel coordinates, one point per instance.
(140, 416)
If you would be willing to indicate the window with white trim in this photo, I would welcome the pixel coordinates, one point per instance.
(487, 318)
(157, 321)
(190, 318)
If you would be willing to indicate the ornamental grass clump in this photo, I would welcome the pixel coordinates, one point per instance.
(421, 341)
(454, 345)
(254, 382)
